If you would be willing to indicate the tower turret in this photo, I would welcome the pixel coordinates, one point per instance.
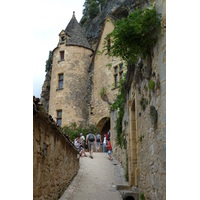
(68, 90)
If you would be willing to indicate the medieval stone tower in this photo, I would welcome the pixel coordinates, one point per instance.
(78, 76)
(69, 76)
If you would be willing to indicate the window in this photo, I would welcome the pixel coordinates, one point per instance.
(116, 69)
(116, 80)
(121, 71)
(60, 81)
(121, 75)
(62, 39)
(118, 74)
(121, 66)
(59, 117)
(62, 55)
(108, 45)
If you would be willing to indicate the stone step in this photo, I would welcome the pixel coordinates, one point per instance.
(129, 195)
(127, 192)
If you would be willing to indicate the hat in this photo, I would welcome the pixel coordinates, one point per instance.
(81, 134)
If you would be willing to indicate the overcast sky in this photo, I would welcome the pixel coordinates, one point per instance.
(49, 17)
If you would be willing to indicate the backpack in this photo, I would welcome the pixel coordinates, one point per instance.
(91, 137)
(98, 138)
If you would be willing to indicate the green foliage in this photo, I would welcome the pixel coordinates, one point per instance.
(151, 84)
(91, 9)
(119, 105)
(135, 35)
(157, 84)
(74, 131)
(142, 196)
(141, 138)
(154, 115)
(49, 61)
(103, 92)
(145, 88)
(143, 103)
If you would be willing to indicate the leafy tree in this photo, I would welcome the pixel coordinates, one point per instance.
(73, 130)
(49, 61)
(91, 9)
(135, 35)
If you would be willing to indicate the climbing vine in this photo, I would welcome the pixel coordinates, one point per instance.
(119, 105)
(135, 35)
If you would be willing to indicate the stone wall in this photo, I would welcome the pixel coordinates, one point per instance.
(55, 160)
(103, 76)
(72, 98)
(146, 136)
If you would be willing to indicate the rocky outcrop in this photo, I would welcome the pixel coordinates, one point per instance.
(46, 91)
(116, 8)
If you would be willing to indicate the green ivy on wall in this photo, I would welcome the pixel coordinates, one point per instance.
(119, 105)
(135, 35)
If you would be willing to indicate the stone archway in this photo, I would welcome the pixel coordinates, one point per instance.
(103, 126)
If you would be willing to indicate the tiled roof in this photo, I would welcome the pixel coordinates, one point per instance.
(77, 36)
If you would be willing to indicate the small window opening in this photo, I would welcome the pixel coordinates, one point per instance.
(59, 117)
(60, 81)
(62, 55)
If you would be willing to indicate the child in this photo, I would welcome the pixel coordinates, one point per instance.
(109, 147)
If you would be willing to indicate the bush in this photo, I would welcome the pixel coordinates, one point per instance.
(135, 35)
(74, 131)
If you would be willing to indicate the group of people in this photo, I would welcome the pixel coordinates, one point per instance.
(90, 141)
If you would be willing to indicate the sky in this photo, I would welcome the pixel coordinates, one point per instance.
(51, 16)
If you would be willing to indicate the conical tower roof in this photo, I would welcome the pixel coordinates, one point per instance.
(77, 36)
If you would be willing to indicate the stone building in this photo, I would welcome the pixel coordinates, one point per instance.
(88, 80)
(69, 76)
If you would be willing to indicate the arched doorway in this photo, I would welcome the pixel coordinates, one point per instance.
(103, 126)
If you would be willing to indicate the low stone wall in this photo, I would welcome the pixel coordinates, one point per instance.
(55, 160)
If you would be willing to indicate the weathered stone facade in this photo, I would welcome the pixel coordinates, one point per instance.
(103, 77)
(55, 160)
(146, 141)
(144, 120)
(71, 98)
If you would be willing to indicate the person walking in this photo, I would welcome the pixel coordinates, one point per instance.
(82, 139)
(98, 141)
(108, 135)
(104, 143)
(90, 140)
(109, 147)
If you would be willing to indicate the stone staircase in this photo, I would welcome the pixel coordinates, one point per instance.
(127, 192)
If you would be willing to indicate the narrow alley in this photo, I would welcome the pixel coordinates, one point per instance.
(96, 180)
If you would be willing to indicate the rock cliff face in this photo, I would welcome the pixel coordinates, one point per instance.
(46, 91)
(116, 8)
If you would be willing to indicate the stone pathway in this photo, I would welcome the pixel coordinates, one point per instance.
(96, 180)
